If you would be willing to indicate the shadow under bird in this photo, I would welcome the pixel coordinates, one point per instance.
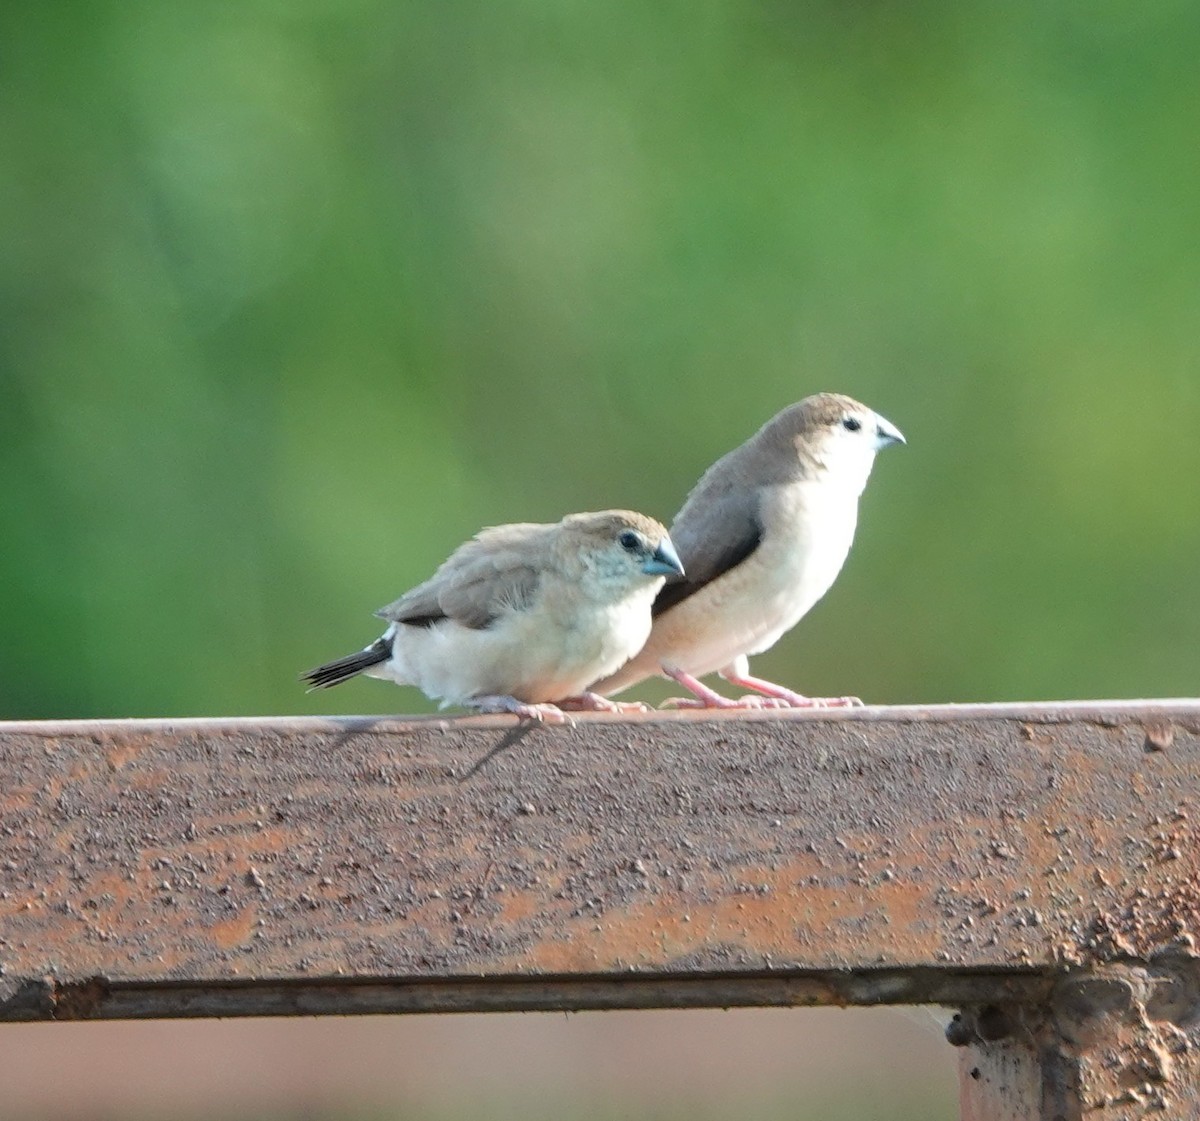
(523, 617)
(762, 536)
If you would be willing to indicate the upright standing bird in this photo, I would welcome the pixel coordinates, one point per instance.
(762, 536)
(524, 615)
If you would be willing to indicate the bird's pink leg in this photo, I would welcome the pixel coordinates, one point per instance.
(542, 713)
(704, 697)
(593, 702)
(738, 675)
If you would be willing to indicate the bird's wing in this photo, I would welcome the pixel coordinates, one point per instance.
(717, 529)
(497, 570)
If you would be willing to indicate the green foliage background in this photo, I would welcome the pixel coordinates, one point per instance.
(297, 295)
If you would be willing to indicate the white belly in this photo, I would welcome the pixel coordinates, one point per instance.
(534, 656)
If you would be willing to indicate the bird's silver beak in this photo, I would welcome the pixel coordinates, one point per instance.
(887, 434)
(664, 561)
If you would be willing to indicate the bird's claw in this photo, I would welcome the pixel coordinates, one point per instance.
(797, 700)
(753, 700)
(546, 714)
(750, 701)
(542, 713)
(787, 698)
(766, 695)
(593, 702)
(756, 701)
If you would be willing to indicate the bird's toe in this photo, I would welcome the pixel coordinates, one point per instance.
(627, 706)
(753, 700)
(717, 702)
(543, 713)
(593, 702)
(682, 702)
(838, 702)
(546, 714)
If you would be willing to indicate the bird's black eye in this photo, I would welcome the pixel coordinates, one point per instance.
(629, 541)
(851, 424)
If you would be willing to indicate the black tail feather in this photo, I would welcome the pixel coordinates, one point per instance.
(334, 673)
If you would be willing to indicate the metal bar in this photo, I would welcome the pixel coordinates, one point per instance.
(963, 840)
(97, 998)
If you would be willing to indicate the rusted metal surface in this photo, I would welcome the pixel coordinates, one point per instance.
(1116, 1041)
(965, 855)
(96, 998)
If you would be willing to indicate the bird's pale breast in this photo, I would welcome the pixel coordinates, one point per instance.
(807, 535)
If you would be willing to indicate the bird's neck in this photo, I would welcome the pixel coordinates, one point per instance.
(840, 479)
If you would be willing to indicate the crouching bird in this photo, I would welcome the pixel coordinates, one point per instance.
(762, 535)
(522, 618)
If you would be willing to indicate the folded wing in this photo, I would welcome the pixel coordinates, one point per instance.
(498, 570)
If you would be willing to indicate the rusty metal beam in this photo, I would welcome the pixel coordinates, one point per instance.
(997, 858)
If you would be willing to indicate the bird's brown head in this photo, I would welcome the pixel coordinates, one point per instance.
(621, 547)
(829, 433)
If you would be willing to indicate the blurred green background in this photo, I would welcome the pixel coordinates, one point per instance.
(298, 294)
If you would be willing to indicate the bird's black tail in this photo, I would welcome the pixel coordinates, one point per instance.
(334, 673)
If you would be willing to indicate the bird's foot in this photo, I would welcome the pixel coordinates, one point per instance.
(593, 702)
(542, 713)
(704, 697)
(786, 698)
(749, 701)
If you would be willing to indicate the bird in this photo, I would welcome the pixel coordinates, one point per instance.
(762, 535)
(522, 617)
